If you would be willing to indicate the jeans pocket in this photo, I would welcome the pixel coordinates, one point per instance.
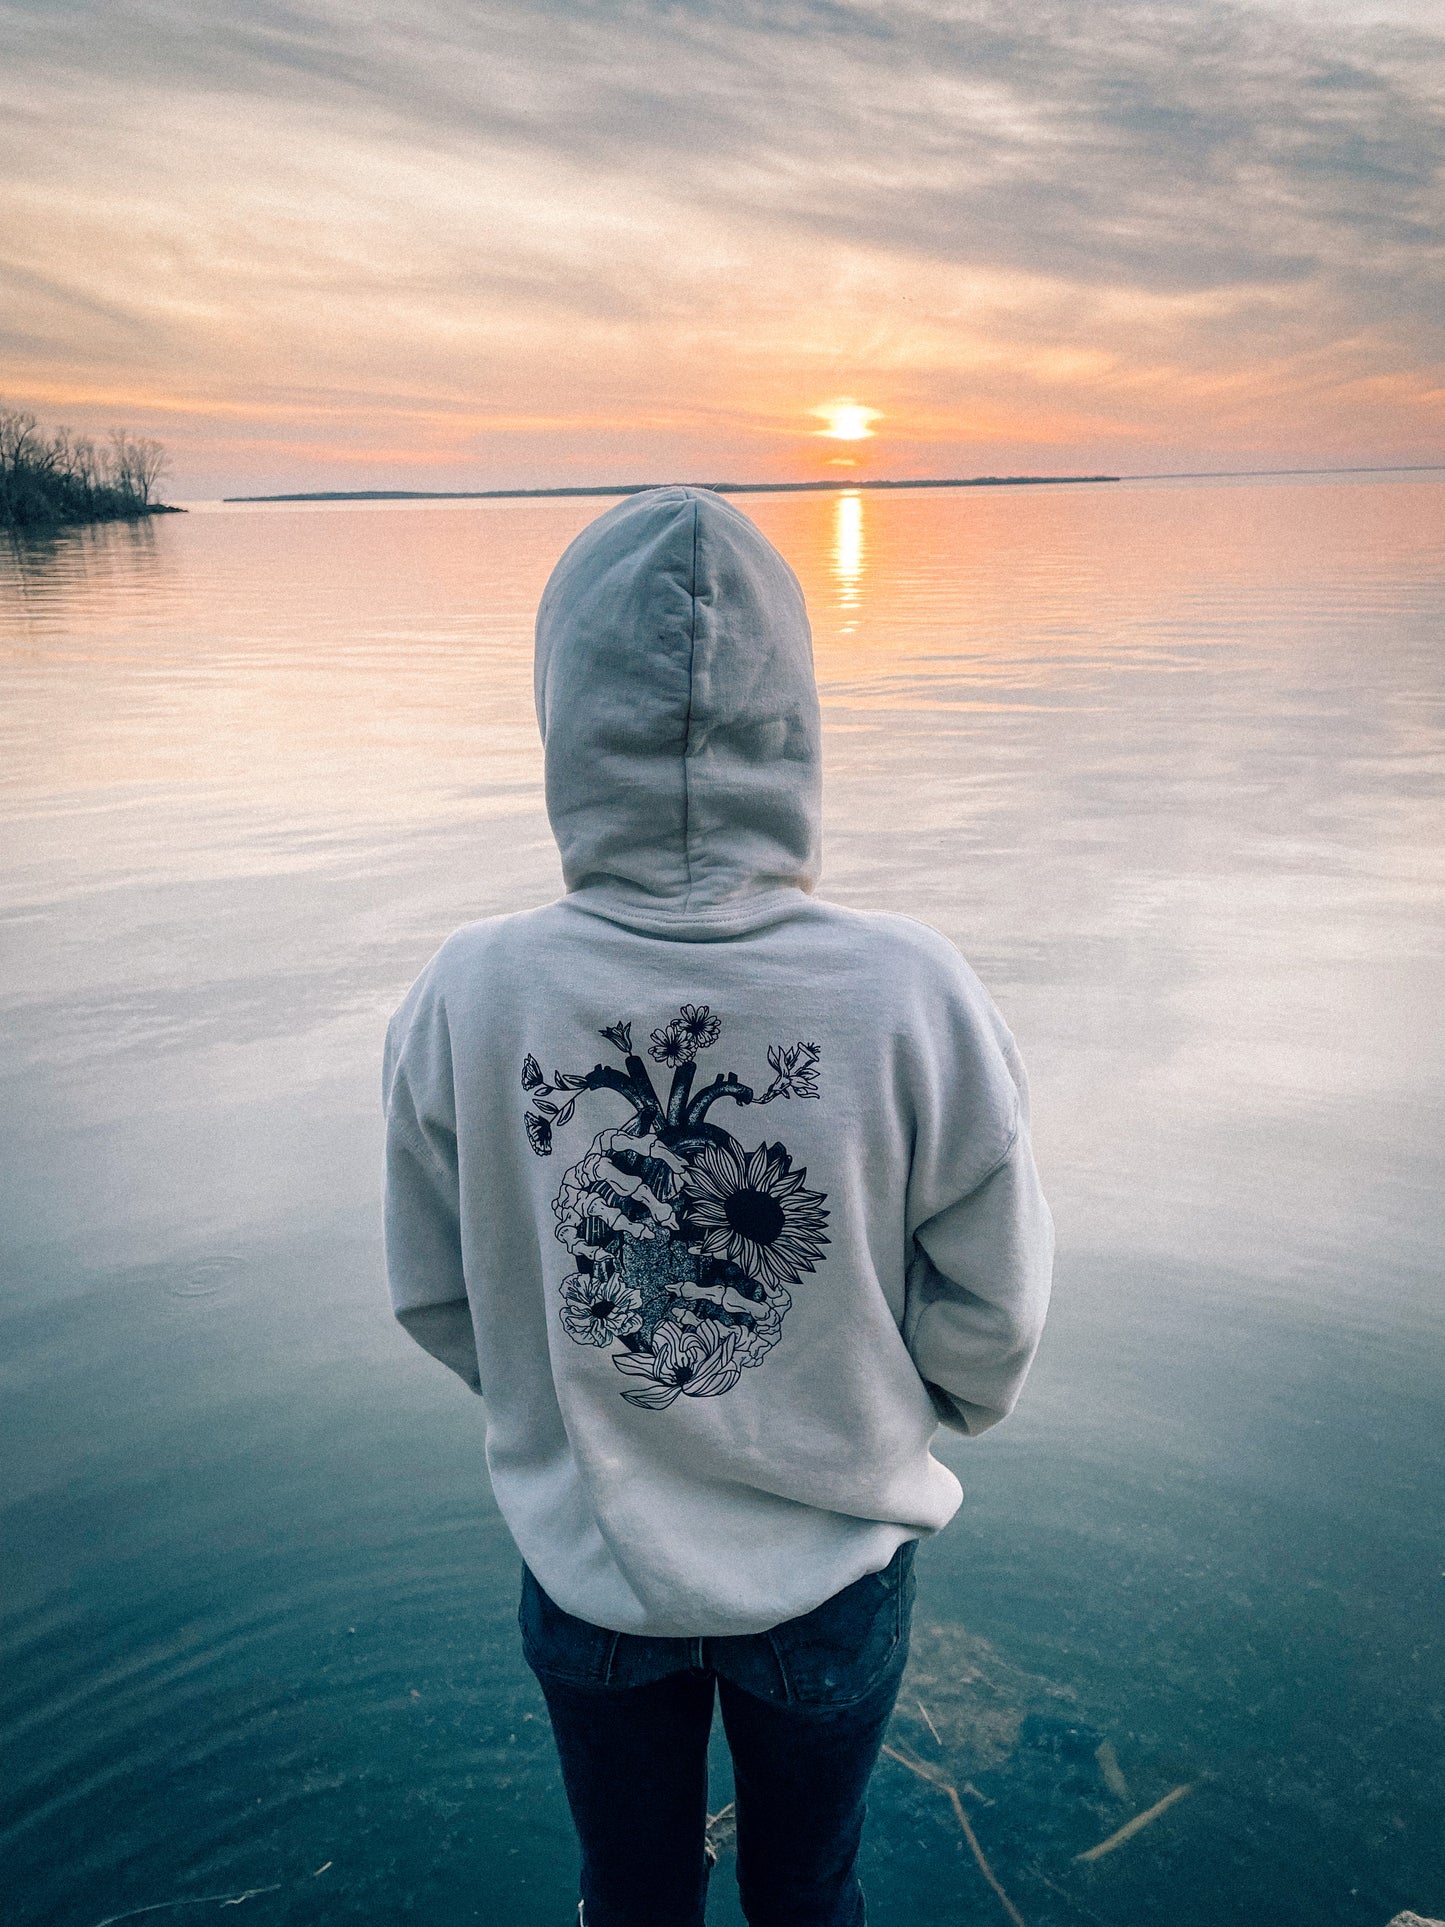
(557, 1645)
(844, 1649)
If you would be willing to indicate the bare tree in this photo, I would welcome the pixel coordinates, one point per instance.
(119, 460)
(65, 478)
(148, 463)
(19, 437)
(56, 457)
(87, 466)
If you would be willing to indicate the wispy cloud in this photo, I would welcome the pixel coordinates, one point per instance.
(671, 229)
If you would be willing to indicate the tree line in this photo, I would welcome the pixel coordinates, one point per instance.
(57, 478)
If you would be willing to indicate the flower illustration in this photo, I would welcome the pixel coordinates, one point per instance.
(596, 1310)
(752, 1210)
(697, 1026)
(670, 1047)
(539, 1134)
(697, 1358)
(532, 1074)
(693, 1029)
(619, 1034)
(795, 1072)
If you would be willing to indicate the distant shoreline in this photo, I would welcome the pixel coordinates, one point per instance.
(641, 488)
(829, 487)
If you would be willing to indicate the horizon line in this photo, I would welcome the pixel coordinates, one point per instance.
(830, 485)
(1233, 474)
(642, 488)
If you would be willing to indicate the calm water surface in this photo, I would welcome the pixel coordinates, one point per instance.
(1167, 763)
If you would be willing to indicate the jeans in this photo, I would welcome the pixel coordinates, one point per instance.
(804, 1706)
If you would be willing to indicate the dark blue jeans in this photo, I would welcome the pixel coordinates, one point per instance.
(804, 1707)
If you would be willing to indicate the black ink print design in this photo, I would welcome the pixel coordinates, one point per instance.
(684, 1242)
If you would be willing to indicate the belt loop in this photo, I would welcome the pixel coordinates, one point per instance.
(609, 1662)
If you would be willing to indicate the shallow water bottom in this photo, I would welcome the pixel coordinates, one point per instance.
(280, 1636)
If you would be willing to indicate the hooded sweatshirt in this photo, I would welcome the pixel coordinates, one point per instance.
(721, 1196)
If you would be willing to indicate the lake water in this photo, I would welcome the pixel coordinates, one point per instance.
(1166, 762)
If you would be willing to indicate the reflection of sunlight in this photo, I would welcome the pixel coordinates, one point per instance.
(848, 550)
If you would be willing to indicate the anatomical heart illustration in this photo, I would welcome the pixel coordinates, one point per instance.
(684, 1242)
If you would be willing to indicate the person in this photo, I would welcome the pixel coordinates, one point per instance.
(723, 1199)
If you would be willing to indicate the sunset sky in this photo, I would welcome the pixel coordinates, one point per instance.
(429, 245)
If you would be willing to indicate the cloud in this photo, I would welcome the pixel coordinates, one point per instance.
(1181, 146)
(1097, 197)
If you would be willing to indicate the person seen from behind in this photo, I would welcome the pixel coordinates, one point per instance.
(723, 1199)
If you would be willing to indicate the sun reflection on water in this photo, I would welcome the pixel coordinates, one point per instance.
(849, 552)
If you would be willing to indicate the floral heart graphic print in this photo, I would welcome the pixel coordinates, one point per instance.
(684, 1242)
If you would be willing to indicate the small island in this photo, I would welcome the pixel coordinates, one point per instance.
(63, 480)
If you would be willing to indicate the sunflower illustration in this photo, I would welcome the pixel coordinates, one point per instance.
(751, 1210)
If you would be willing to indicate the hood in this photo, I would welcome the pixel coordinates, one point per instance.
(678, 710)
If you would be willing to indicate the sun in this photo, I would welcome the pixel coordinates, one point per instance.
(847, 421)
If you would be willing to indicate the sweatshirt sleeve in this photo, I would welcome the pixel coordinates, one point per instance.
(422, 1199)
(981, 1255)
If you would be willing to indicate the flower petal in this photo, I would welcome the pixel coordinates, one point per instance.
(719, 1376)
(635, 1364)
(669, 1346)
(583, 1327)
(654, 1398)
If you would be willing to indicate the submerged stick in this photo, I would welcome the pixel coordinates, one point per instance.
(1109, 1767)
(928, 1721)
(720, 1828)
(916, 1766)
(965, 1826)
(190, 1900)
(1137, 1824)
(984, 1868)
